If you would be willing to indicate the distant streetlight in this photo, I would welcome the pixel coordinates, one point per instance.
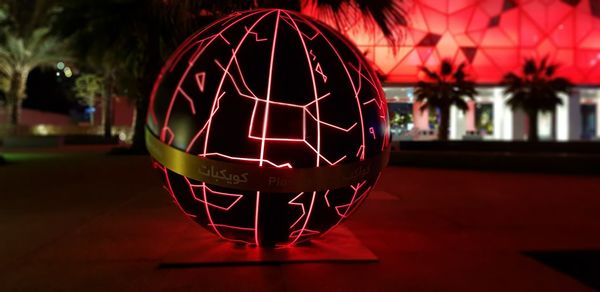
(68, 72)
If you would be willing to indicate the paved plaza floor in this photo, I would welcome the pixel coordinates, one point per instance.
(92, 222)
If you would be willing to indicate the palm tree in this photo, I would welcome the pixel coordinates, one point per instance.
(20, 55)
(448, 86)
(87, 88)
(537, 90)
(133, 38)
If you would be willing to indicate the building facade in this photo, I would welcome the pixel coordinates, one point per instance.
(493, 37)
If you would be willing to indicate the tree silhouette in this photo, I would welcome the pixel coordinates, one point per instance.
(536, 90)
(444, 88)
(20, 55)
(134, 37)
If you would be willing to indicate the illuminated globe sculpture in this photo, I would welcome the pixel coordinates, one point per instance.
(268, 127)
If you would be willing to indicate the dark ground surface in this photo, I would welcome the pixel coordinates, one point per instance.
(575, 157)
(95, 222)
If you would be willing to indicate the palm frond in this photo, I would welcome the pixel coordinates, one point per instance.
(530, 67)
(537, 89)
(446, 67)
(430, 74)
(550, 70)
(387, 15)
(542, 67)
(443, 92)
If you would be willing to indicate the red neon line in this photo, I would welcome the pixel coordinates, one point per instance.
(170, 191)
(359, 71)
(213, 112)
(304, 126)
(251, 124)
(357, 202)
(321, 97)
(266, 116)
(331, 125)
(361, 151)
(184, 47)
(199, 51)
(298, 234)
(255, 35)
(186, 44)
(326, 199)
(208, 215)
(287, 164)
(237, 65)
(163, 135)
(235, 85)
(192, 186)
(206, 204)
(292, 25)
(235, 227)
(341, 216)
(321, 156)
(277, 139)
(232, 16)
(209, 123)
(256, 218)
(319, 70)
(297, 204)
(181, 80)
(370, 101)
(200, 79)
(339, 160)
(352, 200)
(275, 102)
(314, 83)
(382, 109)
(362, 156)
(189, 99)
(312, 201)
(226, 41)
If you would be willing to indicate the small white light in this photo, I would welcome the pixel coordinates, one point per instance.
(68, 72)
(41, 130)
(60, 65)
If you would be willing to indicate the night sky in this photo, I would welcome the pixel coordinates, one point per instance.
(48, 92)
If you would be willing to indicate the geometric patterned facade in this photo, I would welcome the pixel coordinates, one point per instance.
(493, 36)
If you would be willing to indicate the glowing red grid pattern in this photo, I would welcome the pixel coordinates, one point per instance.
(314, 103)
(494, 36)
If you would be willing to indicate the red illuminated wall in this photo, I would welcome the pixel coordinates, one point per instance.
(493, 36)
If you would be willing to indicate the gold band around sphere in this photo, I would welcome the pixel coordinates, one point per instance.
(249, 177)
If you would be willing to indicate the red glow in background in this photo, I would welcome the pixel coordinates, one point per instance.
(493, 36)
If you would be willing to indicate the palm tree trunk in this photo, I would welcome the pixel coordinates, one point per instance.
(532, 119)
(444, 123)
(15, 112)
(142, 100)
(141, 109)
(554, 126)
(145, 83)
(133, 117)
(14, 98)
(107, 117)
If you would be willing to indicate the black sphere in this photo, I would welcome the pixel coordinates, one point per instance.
(271, 88)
